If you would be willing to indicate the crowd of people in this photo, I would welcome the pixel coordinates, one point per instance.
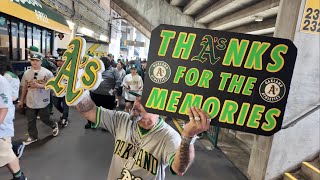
(122, 82)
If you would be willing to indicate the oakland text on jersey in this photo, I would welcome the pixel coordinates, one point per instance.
(143, 158)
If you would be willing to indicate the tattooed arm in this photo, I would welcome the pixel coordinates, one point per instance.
(87, 109)
(185, 154)
(183, 158)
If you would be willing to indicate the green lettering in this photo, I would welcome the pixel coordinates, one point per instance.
(192, 77)
(157, 98)
(190, 100)
(184, 45)
(236, 84)
(166, 37)
(173, 101)
(211, 106)
(206, 76)
(276, 56)
(224, 78)
(179, 74)
(271, 121)
(228, 110)
(254, 59)
(247, 89)
(243, 114)
(255, 116)
(235, 52)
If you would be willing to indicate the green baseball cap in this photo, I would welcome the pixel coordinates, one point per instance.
(33, 48)
(36, 57)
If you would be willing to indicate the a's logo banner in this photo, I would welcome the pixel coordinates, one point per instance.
(241, 80)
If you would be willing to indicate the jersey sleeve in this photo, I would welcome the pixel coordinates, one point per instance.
(111, 120)
(171, 146)
(4, 97)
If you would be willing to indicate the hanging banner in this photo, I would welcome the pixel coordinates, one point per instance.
(241, 80)
(78, 74)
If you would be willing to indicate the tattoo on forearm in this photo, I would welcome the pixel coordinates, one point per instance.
(184, 156)
(86, 105)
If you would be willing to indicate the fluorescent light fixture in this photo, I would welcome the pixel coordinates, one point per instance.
(86, 31)
(70, 23)
(258, 18)
(103, 38)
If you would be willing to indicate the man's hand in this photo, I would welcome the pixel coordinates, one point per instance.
(199, 122)
(20, 104)
(34, 84)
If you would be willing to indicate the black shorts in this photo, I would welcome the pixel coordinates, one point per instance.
(129, 101)
(119, 92)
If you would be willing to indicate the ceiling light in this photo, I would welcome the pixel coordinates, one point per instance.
(103, 38)
(87, 31)
(258, 18)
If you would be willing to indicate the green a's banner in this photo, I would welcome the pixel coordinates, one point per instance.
(241, 80)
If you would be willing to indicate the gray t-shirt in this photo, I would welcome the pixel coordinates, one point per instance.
(37, 98)
(157, 151)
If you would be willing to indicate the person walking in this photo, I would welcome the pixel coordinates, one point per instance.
(131, 82)
(122, 74)
(104, 95)
(37, 98)
(59, 102)
(7, 111)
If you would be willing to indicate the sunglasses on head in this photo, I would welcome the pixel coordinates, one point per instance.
(35, 75)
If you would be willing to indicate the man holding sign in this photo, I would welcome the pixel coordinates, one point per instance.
(145, 143)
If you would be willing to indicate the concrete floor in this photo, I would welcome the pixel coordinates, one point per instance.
(79, 154)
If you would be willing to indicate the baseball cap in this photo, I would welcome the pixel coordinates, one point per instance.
(133, 66)
(36, 56)
(33, 48)
(59, 58)
(135, 93)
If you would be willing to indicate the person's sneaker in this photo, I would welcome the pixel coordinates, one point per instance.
(29, 141)
(20, 150)
(55, 130)
(64, 123)
(22, 177)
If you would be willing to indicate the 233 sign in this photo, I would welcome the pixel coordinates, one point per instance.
(311, 17)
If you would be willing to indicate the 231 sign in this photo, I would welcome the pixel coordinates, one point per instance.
(311, 17)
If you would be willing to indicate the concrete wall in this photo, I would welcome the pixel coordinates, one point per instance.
(300, 142)
(159, 12)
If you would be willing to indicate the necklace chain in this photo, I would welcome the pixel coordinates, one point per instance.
(137, 142)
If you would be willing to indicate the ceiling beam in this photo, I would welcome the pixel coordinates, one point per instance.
(188, 6)
(131, 16)
(267, 25)
(250, 11)
(194, 6)
(178, 2)
(212, 9)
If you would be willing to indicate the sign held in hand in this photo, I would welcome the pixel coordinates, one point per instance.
(80, 72)
(241, 80)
